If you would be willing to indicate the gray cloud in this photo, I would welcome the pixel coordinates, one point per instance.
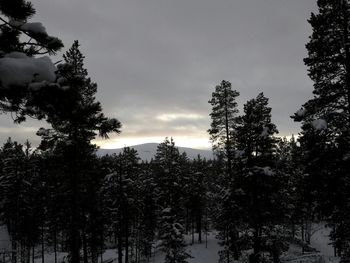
(165, 56)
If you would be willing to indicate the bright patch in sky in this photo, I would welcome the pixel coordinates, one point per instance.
(167, 117)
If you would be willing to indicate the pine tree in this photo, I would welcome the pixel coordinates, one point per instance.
(326, 118)
(15, 16)
(22, 72)
(223, 116)
(75, 123)
(223, 136)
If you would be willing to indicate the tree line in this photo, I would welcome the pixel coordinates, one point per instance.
(126, 204)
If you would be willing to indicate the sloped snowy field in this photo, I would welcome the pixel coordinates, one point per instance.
(201, 254)
(321, 242)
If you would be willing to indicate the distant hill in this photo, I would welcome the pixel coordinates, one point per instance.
(148, 150)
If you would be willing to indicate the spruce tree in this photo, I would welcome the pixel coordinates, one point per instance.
(12, 193)
(259, 192)
(148, 220)
(121, 198)
(289, 163)
(196, 192)
(170, 200)
(20, 209)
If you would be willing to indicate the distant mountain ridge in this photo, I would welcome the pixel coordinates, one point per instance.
(147, 151)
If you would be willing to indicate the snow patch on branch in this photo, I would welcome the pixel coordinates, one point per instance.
(239, 153)
(43, 132)
(35, 28)
(265, 132)
(301, 112)
(16, 55)
(268, 171)
(35, 86)
(17, 69)
(319, 124)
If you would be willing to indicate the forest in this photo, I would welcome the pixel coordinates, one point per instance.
(259, 195)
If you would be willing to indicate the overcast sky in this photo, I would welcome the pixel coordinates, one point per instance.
(156, 62)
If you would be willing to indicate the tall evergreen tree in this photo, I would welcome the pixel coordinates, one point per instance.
(170, 200)
(289, 155)
(20, 209)
(223, 116)
(121, 198)
(223, 136)
(326, 118)
(75, 123)
(12, 193)
(258, 183)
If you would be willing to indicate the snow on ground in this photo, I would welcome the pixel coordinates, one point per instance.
(201, 254)
(50, 257)
(4, 238)
(320, 241)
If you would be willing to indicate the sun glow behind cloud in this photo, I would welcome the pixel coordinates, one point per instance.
(188, 129)
(168, 117)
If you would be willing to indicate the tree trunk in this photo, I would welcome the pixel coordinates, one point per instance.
(346, 43)
(75, 241)
(55, 243)
(227, 245)
(120, 246)
(308, 232)
(228, 142)
(85, 252)
(187, 221)
(192, 228)
(14, 251)
(28, 253)
(126, 238)
(256, 246)
(199, 226)
(206, 228)
(42, 244)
